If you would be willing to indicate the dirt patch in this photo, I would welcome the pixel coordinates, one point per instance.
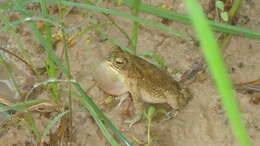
(202, 122)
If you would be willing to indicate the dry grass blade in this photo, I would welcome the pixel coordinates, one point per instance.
(251, 85)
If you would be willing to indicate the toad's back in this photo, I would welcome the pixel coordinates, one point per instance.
(154, 84)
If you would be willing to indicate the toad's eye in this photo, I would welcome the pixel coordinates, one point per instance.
(120, 61)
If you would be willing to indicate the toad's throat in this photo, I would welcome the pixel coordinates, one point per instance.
(110, 80)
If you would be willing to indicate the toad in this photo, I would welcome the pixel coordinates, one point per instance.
(122, 72)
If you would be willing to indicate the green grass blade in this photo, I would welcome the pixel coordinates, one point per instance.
(135, 12)
(96, 112)
(25, 11)
(111, 19)
(51, 124)
(218, 70)
(27, 19)
(92, 108)
(105, 125)
(31, 124)
(21, 106)
(52, 67)
(65, 42)
(10, 73)
(27, 119)
(124, 15)
(15, 36)
(88, 29)
(48, 47)
(163, 13)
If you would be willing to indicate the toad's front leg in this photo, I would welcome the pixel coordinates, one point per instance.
(138, 110)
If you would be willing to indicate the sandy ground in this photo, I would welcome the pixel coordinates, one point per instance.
(202, 122)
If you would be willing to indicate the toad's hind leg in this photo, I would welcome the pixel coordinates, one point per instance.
(173, 101)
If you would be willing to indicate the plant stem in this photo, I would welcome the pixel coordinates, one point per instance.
(149, 131)
(233, 11)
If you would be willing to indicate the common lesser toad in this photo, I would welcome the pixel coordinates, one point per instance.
(122, 72)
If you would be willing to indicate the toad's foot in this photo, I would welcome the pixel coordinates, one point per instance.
(122, 98)
(134, 120)
(171, 114)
